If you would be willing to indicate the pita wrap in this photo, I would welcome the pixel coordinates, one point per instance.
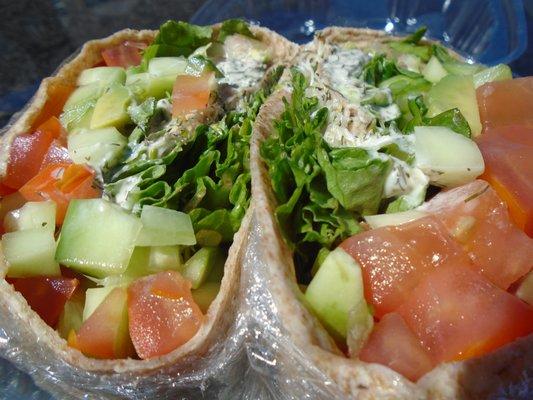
(507, 371)
(37, 348)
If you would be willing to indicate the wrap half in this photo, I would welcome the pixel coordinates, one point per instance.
(35, 346)
(505, 371)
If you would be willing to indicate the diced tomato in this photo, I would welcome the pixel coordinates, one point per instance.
(61, 183)
(56, 154)
(6, 190)
(508, 155)
(393, 344)
(105, 333)
(57, 98)
(394, 259)
(506, 102)
(27, 152)
(458, 314)
(162, 312)
(191, 93)
(46, 296)
(125, 55)
(478, 219)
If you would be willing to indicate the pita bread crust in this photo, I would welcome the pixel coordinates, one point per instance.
(472, 379)
(14, 309)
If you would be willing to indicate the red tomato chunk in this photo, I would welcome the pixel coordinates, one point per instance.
(457, 314)
(46, 295)
(395, 259)
(162, 313)
(393, 344)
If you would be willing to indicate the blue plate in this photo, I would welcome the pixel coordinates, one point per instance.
(488, 31)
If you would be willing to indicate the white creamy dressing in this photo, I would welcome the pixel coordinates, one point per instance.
(126, 186)
(241, 73)
(353, 125)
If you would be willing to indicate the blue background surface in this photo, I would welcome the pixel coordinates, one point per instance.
(35, 36)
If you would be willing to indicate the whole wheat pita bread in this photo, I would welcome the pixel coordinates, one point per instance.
(510, 368)
(25, 338)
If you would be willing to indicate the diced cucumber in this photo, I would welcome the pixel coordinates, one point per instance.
(239, 47)
(422, 52)
(335, 290)
(93, 298)
(393, 219)
(320, 257)
(32, 215)
(84, 94)
(100, 148)
(500, 72)
(102, 75)
(199, 266)
(111, 108)
(71, 317)
(164, 258)
(145, 85)
(434, 71)
(525, 290)
(455, 91)
(160, 66)
(360, 325)
(79, 116)
(410, 62)
(207, 237)
(447, 158)
(165, 227)
(205, 294)
(30, 253)
(461, 68)
(97, 238)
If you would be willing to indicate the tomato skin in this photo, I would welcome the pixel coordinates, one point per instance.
(46, 295)
(57, 154)
(508, 155)
(6, 190)
(27, 152)
(191, 93)
(105, 333)
(506, 102)
(61, 183)
(458, 314)
(395, 259)
(57, 97)
(393, 344)
(126, 54)
(478, 219)
(162, 313)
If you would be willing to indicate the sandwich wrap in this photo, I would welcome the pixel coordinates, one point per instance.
(504, 372)
(36, 348)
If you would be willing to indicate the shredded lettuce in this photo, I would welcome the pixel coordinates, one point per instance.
(233, 26)
(321, 192)
(206, 176)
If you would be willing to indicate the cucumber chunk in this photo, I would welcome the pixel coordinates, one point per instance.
(93, 298)
(32, 215)
(461, 68)
(71, 317)
(205, 294)
(455, 91)
(84, 94)
(160, 66)
(393, 219)
(145, 85)
(111, 108)
(434, 71)
(165, 227)
(335, 290)
(199, 266)
(500, 72)
(164, 258)
(97, 238)
(100, 148)
(30, 253)
(102, 75)
(239, 47)
(78, 116)
(447, 158)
